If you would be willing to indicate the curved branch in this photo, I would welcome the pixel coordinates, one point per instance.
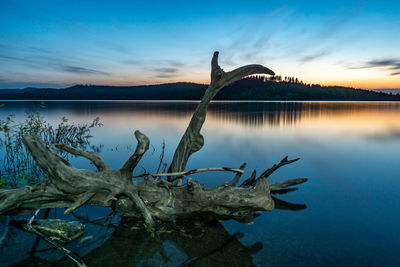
(283, 162)
(141, 148)
(93, 157)
(192, 140)
(239, 73)
(81, 201)
(148, 219)
(236, 179)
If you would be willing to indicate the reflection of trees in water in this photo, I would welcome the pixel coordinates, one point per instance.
(289, 113)
(249, 114)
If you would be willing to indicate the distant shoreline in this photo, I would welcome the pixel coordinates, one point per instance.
(250, 89)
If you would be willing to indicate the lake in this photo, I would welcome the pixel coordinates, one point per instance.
(347, 214)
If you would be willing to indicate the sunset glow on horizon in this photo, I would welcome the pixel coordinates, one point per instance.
(344, 43)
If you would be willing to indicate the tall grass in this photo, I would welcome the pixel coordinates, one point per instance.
(17, 167)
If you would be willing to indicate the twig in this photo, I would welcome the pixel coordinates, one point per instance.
(236, 179)
(93, 157)
(283, 162)
(81, 201)
(189, 172)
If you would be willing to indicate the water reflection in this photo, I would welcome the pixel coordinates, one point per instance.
(251, 114)
(349, 151)
(131, 245)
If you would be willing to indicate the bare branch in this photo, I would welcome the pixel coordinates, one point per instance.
(282, 185)
(148, 219)
(239, 73)
(250, 181)
(283, 162)
(236, 179)
(141, 148)
(185, 173)
(192, 140)
(93, 157)
(81, 201)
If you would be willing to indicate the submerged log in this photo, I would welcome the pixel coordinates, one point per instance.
(55, 229)
(152, 198)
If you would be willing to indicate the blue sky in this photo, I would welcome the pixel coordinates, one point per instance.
(59, 43)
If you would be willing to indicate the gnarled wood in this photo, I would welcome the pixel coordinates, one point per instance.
(192, 140)
(93, 157)
(151, 199)
(141, 148)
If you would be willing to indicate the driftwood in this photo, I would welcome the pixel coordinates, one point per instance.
(152, 198)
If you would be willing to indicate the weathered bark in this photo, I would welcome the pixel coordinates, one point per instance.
(152, 198)
(192, 140)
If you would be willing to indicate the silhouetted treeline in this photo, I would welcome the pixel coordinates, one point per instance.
(251, 88)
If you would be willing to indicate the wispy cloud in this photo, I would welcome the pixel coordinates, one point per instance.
(394, 63)
(81, 70)
(166, 70)
(132, 62)
(175, 63)
(391, 64)
(314, 56)
(165, 76)
(337, 22)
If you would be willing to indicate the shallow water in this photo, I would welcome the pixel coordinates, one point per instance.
(350, 151)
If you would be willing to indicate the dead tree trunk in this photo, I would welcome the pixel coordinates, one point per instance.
(192, 140)
(152, 198)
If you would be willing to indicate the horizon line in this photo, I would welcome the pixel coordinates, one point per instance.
(65, 86)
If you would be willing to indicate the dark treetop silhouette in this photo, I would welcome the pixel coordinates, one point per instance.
(151, 199)
(255, 87)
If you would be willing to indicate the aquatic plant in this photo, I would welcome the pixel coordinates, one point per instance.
(17, 167)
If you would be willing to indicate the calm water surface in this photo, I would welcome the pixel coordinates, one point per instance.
(348, 214)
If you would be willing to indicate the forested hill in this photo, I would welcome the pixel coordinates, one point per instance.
(252, 88)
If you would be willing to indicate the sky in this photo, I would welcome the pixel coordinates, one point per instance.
(59, 43)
